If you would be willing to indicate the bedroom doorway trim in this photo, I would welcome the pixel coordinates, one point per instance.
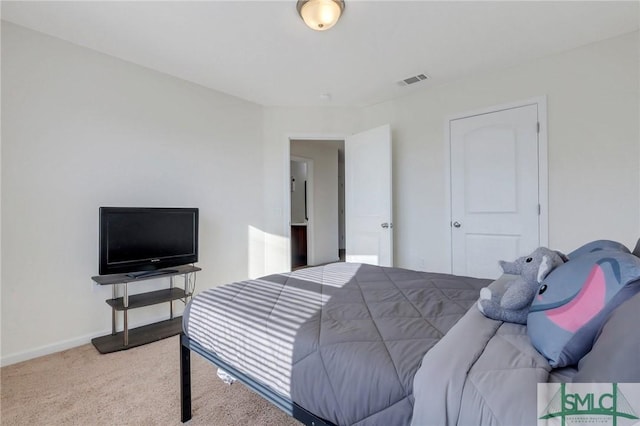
(543, 219)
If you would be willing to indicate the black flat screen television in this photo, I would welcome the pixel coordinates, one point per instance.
(139, 241)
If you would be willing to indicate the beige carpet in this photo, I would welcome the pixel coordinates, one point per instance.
(140, 386)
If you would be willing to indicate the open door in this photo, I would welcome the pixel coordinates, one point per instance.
(368, 197)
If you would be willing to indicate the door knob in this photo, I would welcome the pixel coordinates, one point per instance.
(457, 224)
(386, 225)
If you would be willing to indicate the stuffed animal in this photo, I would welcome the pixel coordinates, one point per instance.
(512, 305)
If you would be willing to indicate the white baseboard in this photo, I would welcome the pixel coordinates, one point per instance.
(46, 350)
(64, 345)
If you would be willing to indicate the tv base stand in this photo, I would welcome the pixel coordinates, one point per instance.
(126, 339)
(157, 273)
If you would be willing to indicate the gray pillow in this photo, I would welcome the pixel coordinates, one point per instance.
(615, 356)
(598, 245)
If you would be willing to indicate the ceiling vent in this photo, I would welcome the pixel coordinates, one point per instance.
(413, 79)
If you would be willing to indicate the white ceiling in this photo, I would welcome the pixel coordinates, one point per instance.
(261, 50)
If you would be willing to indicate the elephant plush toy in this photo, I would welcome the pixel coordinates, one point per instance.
(512, 304)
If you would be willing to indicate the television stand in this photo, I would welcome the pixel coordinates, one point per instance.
(126, 339)
(154, 273)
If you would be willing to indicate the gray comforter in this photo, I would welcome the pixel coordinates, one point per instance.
(483, 372)
(342, 340)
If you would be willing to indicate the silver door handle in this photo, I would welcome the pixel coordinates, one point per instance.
(387, 225)
(457, 224)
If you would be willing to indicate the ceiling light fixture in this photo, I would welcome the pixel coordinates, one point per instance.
(320, 15)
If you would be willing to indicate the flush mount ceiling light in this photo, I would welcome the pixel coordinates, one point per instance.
(320, 15)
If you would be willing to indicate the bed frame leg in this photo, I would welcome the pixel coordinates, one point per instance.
(185, 380)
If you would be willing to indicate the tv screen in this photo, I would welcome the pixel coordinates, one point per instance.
(136, 240)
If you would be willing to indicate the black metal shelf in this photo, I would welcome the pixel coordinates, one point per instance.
(138, 336)
(125, 339)
(147, 299)
(160, 273)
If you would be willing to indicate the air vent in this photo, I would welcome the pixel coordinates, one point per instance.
(413, 79)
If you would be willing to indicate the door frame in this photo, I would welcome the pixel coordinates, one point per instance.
(287, 190)
(543, 167)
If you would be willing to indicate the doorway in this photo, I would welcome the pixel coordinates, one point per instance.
(316, 178)
(367, 233)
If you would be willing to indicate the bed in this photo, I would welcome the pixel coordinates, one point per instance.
(357, 344)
